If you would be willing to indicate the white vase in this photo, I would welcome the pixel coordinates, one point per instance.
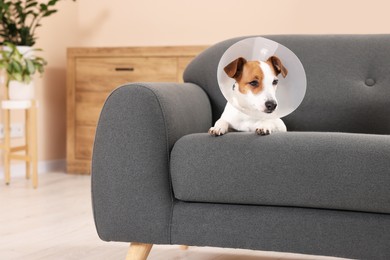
(21, 91)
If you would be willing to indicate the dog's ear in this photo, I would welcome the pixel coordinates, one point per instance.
(234, 68)
(276, 63)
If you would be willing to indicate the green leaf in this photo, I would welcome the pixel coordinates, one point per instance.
(30, 12)
(52, 2)
(30, 67)
(32, 4)
(26, 78)
(16, 66)
(49, 12)
(41, 69)
(6, 6)
(17, 76)
(43, 7)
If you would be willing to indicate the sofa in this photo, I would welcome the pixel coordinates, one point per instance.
(322, 188)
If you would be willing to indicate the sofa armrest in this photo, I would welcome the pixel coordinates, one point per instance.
(131, 188)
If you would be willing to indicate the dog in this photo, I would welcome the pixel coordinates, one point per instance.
(254, 90)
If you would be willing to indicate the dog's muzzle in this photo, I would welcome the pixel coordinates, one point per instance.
(270, 106)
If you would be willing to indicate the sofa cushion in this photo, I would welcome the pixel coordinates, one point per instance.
(299, 169)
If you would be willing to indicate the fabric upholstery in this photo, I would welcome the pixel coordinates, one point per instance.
(283, 229)
(318, 192)
(315, 170)
(138, 125)
(348, 79)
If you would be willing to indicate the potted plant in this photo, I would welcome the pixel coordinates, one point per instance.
(20, 69)
(19, 20)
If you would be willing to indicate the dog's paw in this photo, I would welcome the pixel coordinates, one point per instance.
(216, 131)
(263, 131)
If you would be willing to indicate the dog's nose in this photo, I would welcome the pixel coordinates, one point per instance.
(270, 105)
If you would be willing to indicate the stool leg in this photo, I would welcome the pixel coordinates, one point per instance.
(33, 144)
(7, 150)
(27, 140)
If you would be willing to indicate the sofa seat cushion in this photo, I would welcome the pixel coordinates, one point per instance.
(298, 169)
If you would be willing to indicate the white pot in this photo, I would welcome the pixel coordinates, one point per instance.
(20, 91)
(25, 50)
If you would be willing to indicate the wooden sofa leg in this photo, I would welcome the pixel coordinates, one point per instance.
(183, 247)
(138, 251)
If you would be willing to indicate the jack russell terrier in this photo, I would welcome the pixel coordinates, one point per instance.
(254, 90)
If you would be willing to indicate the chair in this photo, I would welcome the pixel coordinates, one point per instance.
(322, 188)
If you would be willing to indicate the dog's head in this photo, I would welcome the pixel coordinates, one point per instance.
(256, 82)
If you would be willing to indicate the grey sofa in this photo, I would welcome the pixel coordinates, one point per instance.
(322, 188)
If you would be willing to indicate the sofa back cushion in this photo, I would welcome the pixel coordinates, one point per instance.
(348, 81)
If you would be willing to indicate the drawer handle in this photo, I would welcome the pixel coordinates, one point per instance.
(124, 69)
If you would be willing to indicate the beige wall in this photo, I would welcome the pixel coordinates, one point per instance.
(173, 22)
(179, 22)
(57, 33)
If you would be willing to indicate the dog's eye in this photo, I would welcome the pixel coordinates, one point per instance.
(275, 82)
(254, 83)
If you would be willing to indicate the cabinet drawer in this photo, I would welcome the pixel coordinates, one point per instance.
(105, 74)
(88, 107)
(85, 136)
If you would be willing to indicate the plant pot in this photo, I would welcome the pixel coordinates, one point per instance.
(25, 50)
(20, 90)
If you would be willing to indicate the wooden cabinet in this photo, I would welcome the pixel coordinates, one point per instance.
(92, 73)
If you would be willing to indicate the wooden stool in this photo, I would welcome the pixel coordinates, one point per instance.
(30, 147)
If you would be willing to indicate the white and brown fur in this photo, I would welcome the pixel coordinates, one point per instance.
(255, 87)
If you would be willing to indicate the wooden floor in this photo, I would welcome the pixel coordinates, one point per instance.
(55, 222)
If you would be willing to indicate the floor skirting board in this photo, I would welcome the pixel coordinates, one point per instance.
(19, 169)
